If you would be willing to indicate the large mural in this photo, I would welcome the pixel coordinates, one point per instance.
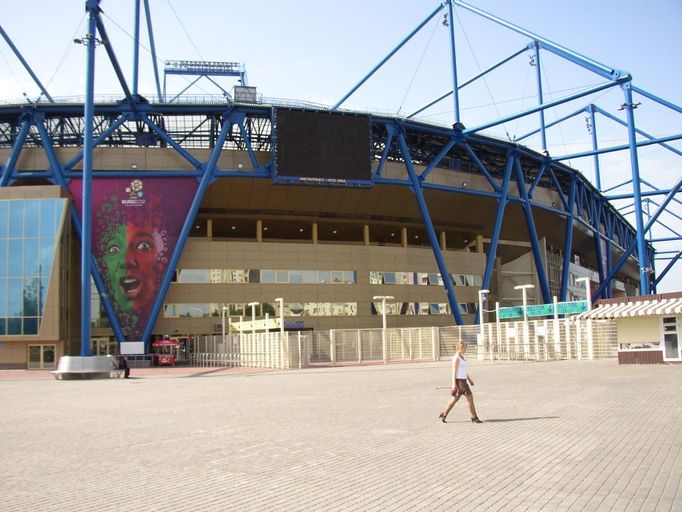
(135, 228)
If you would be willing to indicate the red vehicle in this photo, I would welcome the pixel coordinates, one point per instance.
(164, 351)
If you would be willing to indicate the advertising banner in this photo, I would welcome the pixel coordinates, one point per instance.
(135, 228)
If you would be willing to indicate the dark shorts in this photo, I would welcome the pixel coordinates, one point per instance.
(461, 388)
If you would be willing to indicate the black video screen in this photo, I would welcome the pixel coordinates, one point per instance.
(322, 148)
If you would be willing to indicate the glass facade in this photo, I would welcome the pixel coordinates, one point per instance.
(204, 310)
(423, 308)
(220, 275)
(422, 278)
(29, 229)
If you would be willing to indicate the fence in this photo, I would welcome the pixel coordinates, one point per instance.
(537, 340)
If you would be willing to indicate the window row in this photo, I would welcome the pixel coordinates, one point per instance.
(203, 310)
(30, 218)
(423, 278)
(219, 275)
(423, 308)
(22, 297)
(19, 326)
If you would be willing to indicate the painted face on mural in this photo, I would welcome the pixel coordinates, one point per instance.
(114, 262)
(143, 265)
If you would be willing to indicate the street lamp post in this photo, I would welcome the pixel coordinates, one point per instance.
(590, 343)
(222, 316)
(526, 334)
(253, 305)
(383, 299)
(481, 338)
(280, 302)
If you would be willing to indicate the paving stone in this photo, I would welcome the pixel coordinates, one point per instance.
(557, 436)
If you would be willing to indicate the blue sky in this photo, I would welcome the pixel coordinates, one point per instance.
(317, 51)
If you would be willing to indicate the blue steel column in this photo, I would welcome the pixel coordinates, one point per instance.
(152, 47)
(16, 151)
(25, 64)
(532, 232)
(206, 180)
(497, 228)
(568, 241)
(433, 238)
(595, 147)
(383, 61)
(455, 92)
(541, 100)
(136, 47)
(598, 239)
(92, 6)
(636, 184)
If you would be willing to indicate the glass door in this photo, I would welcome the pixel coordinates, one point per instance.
(671, 339)
(41, 357)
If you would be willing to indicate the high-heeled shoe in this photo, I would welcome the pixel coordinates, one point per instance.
(475, 420)
(442, 417)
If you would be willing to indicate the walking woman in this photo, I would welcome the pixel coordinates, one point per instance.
(460, 376)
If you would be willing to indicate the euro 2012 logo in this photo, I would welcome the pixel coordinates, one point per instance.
(135, 189)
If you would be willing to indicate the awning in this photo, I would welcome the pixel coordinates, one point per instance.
(656, 307)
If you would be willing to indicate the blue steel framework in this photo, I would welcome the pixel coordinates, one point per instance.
(119, 124)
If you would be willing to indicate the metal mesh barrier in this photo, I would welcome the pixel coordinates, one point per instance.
(536, 340)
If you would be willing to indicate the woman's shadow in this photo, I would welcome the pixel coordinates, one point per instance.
(505, 420)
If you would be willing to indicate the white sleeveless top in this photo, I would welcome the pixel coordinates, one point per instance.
(463, 368)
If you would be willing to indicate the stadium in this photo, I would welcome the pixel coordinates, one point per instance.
(144, 217)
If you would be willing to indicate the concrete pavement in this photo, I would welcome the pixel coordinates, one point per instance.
(566, 436)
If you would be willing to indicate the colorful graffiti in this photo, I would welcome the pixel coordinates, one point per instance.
(135, 228)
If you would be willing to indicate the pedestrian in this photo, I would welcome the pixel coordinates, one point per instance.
(123, 365)
(460, 386)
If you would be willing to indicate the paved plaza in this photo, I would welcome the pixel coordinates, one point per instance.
(557, 436)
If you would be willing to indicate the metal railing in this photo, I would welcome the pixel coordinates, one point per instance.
(537, 340)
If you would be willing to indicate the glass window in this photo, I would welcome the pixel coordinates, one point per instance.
(295, 276)
(47, 249)
(254, 276)
(478, 280)
(435, 279)
(30, 325)
(236, 309)
(3, 255)
(13, 326)
(267, 276)
(3, 219)
(422, 278)
(14, 298)
(16, 257)
(283, 276)
(3, 298)
(191, 275)
(324, 276)
(31, 258)
(48, 218)
(31, 291)
(349, 277)
(32, 215)
(309, 276)
(16, 219)
(375, 277)
(3, 325)
(337, 277)
(389, 277)
(293, 309)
